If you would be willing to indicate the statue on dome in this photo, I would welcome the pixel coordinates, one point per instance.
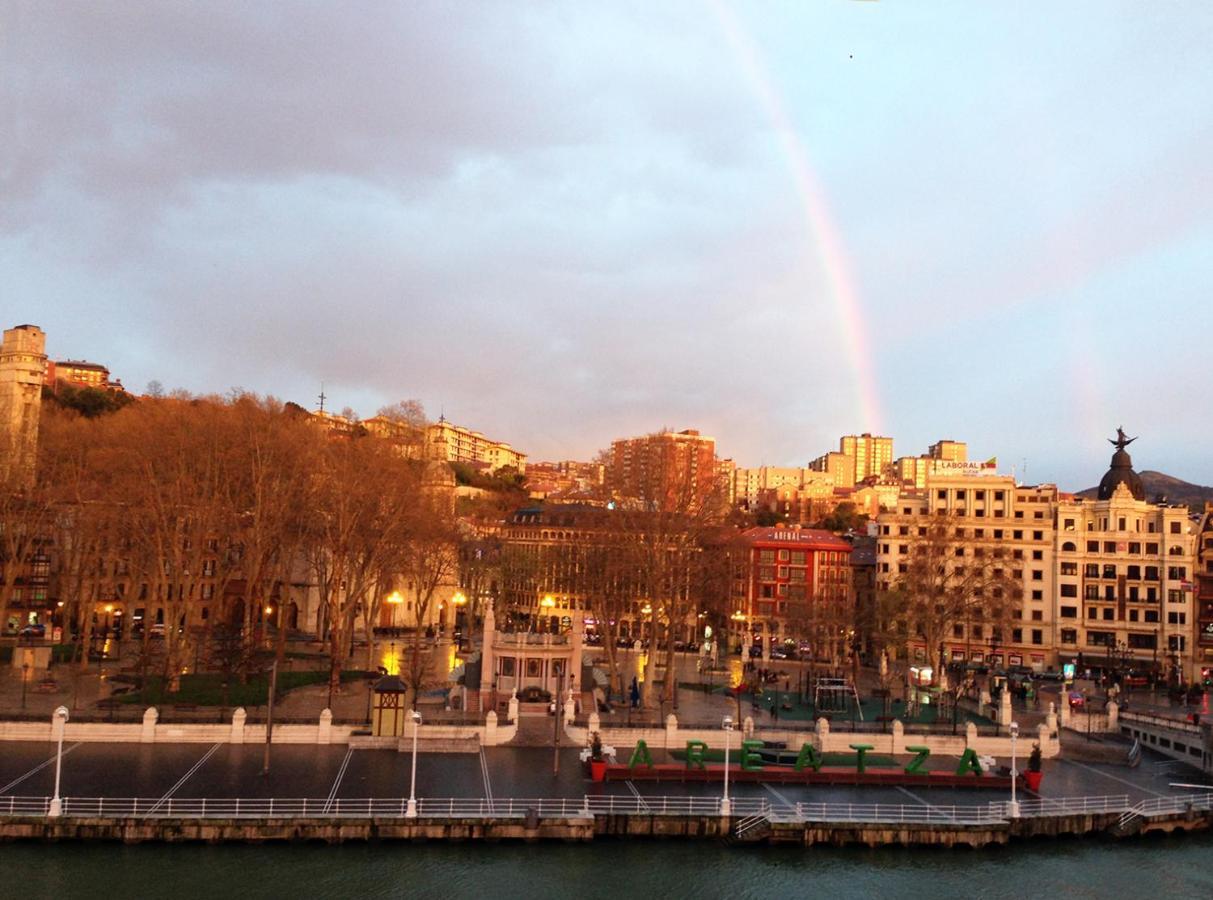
(1121, 440)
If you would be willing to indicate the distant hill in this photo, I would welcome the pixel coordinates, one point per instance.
(1174, 489)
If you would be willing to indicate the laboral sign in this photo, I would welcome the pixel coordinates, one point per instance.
(949, 467)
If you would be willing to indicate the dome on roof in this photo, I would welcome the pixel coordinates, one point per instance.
(1121, 472)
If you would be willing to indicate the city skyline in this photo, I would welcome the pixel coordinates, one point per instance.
(854, 217)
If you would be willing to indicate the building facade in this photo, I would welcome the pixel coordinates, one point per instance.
(467, 446)
(666, 470)
(796, 582)
(990, 518)
(22, 370)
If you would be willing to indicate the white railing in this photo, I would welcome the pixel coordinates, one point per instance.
(580, 807)
(898, 813)
(1067, 806)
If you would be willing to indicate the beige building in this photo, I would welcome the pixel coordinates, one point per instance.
(839, 466)
(1126, 578)
(911, 470)
(992, 517)
(872, 455)
(464, 445)
(859, 456)
(749, 484)
(22, 371)
(949, 451)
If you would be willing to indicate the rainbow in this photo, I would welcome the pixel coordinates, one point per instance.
(824, 234)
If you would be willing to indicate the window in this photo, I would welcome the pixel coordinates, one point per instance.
(507, 666)
(958, 631)
(1069, 612)
(1092, 612)
(783, 555)
(1038, 554)
(1038, 615)
(1177, 618)
(1177, 572)
(1068, 524)
(534, 667)
(1038, 595)
(1092, 546)
(1142, 641)
(1038, 636)
(1109, 614)
(798, 558)
(1175, 528)
(1069, 636)
(1151, 615)
(1016, 635)
(1038, 575)
(1069, 568)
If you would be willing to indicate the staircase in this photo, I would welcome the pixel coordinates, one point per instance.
(751, 829)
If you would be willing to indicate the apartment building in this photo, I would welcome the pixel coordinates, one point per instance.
(990, 518)
(464, 445)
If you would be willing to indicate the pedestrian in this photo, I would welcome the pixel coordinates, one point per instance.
(774, 711)
(635, 693)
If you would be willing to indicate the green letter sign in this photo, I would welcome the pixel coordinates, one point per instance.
(969, 763)
(750, 760)
(861, 752)
(695, 751)
(808, 757)
(915, 766)
(641, 755)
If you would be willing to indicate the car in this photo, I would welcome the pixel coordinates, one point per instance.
(158, 630)
(1077, 700)
(32, 630)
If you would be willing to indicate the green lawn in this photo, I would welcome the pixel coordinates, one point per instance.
(206, 689)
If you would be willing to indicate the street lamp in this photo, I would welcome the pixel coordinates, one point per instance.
(725, 807)
(412, 810)
(56, 808)
(1014, 809)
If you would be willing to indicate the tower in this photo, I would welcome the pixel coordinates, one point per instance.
(22, 370)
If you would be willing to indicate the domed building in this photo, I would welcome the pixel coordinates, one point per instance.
(1121, 471)
(1125, 577)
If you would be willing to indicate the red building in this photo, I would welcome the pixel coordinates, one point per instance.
(796, 584)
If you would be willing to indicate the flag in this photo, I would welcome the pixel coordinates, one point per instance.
(991, 463)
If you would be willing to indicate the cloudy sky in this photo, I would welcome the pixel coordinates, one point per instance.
(563, 223)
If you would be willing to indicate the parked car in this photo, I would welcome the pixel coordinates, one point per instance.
(32, 630)
(1077, 700)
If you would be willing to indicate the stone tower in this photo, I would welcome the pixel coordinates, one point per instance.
(22, 370)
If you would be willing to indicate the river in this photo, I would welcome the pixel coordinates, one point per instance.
(1168, 868)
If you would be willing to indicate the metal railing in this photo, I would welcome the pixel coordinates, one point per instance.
(898, 813)
(743, 808)
(1168, 722)
(1066, 806)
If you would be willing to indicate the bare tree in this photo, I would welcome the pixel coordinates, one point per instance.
(950, 580)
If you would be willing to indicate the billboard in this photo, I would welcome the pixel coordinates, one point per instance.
(949, 467)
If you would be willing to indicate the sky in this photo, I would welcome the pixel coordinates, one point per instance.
(563, 223)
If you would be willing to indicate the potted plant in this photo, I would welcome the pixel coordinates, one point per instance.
(1033, 775)
(597, 763)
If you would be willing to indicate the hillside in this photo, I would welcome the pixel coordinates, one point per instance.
(1175, 490)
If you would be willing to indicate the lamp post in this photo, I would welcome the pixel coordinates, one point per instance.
(56, 808)
(726, 808)
(1014, 808)
(24, 683)
(412, 810)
